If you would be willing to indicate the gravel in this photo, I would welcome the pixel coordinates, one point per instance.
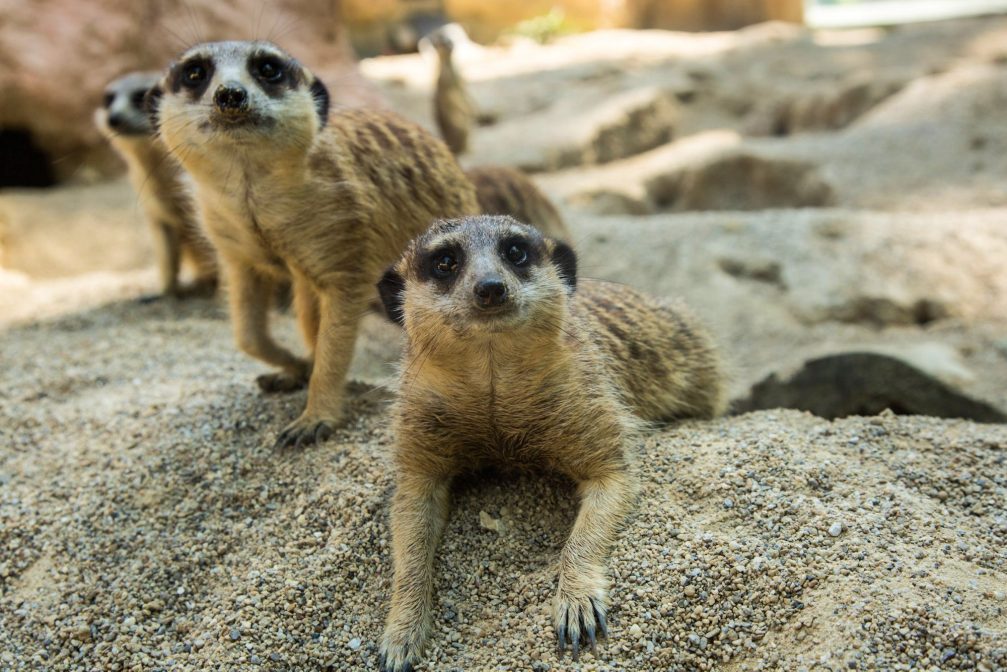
(146, 523)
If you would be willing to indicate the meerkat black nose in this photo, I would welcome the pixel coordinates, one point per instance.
(490, 292)
(114, 121)
(230, 97)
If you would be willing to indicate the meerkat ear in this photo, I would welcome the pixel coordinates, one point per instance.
(151, 103)
(321, 96)
(390, 288)
(565, 260)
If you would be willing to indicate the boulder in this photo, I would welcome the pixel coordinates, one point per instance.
(56, 56)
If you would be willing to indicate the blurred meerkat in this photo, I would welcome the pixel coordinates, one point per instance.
(287, 190)
(506, 191)
(159, 182)
(511, 361)
(454, 110)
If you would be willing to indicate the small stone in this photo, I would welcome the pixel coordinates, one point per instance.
(947, 655)
(635, 631)
(690, 591)
(835, 529)
(488, 522)
(728, 503)
(1000, 595)
(235, 633)
(354, 643)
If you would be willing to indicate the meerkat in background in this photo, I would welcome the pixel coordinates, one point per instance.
(287, 190)
(506, 363)
(454, 110)
(507, 191)
(159, 182)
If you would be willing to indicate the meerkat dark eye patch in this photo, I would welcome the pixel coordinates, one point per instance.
(443, 265)
(151, 103)
(137, 97)
(565, 260)
(390, 289)
(108, 99)
(192, 75)
(268, 69)
(516, 251)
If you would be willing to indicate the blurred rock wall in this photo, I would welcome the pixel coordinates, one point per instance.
(57, 55)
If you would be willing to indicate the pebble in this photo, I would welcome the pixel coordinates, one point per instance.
(835, 529)
(635, 631)
(354, 643)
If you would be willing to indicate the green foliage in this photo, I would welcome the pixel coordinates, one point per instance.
(545, 28)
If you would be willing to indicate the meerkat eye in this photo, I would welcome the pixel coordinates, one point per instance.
(193, 74)
(108, 99)
(136, 100)
(517, 254)
(270, 70)
(445, 265)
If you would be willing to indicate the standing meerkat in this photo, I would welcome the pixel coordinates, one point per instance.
(506, 363)
(159, 182)
(287, 190)
(454, 110)
(507, 191)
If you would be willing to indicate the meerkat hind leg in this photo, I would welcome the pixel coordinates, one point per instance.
(419, 515)
(581, 601)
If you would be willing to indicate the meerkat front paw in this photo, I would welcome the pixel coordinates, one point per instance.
(400, 650)
(306, 430)
(579, 616)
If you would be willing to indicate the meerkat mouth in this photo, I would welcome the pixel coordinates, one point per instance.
(242, 121)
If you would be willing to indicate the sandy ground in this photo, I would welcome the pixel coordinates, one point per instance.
(806, 193)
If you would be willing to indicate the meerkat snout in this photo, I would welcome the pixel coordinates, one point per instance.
(490, 293)
(231, 97)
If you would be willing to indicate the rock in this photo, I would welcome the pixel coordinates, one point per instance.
(51, 97)
(354, 643)
(488, 522)
(741, 181)
(635, 631)
(862, 383)
(835, 529)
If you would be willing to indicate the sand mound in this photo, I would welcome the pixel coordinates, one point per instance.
(146, 523)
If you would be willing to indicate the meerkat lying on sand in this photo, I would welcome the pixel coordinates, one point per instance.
(159, 182)
(286, 189)
(511, 361)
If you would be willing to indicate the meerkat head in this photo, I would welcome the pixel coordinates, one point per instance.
(479, 275)
(122, 113)
(238, 93)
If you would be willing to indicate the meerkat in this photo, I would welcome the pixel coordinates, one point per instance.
(507, 191)
(286, 189)
(454, 110)
(159, 182)
(510, 360)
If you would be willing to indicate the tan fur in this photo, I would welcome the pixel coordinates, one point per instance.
(330, 207)
(506, 191)
(562, 381)
(454, 110)
(159, 182)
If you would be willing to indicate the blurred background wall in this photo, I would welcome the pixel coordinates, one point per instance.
(56, 56)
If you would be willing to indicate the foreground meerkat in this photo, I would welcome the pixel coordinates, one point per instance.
(506, 363)
(454, 110)
(286, 190)
(507, 191)
(159, 182)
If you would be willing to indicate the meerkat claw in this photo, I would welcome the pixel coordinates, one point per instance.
(599, 617)
(302, 433)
